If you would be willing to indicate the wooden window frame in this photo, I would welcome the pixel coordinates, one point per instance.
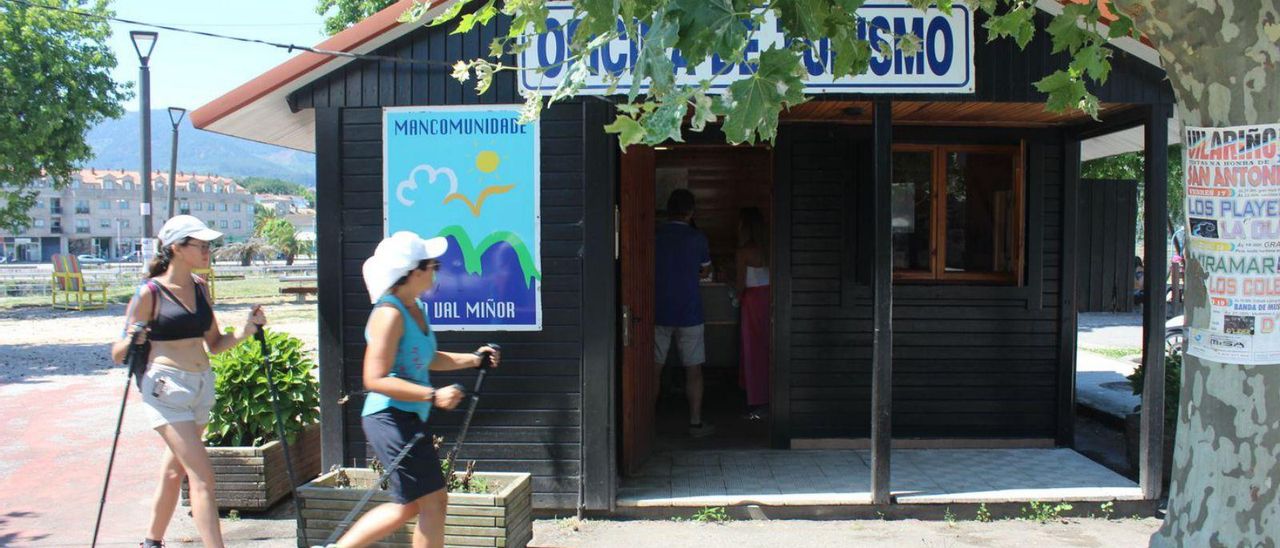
(938, 217)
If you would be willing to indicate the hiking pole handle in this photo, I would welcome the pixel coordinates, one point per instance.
(486, 357)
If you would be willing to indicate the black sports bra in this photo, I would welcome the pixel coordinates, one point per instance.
(174, 322)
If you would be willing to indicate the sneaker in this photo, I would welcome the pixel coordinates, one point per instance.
(756, 413)
(148, 543)
(701, 430)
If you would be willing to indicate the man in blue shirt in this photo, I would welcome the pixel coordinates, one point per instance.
(682, 257)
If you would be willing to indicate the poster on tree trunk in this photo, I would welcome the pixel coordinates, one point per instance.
(1233, 220)
(470, 174)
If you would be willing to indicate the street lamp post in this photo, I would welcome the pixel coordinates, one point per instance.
(143, 43)
(175, 116)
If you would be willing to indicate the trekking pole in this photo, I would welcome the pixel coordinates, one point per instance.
(486, 363)
(386, 474)
(132, 358)
(284, 442)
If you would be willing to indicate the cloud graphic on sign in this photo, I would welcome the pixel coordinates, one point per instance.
(433, 174)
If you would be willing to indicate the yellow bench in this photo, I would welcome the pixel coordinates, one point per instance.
(207, 275)
(68, 283)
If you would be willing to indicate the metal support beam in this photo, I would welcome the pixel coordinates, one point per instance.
(1155, 168)
(882, 276)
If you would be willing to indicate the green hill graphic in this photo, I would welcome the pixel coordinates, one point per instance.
(471, 254)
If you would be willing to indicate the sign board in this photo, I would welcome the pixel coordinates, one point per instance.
(470, 174)
(148, 251)
(1233, 215)
(944, 63)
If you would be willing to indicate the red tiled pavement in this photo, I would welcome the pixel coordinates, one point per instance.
(57, 440)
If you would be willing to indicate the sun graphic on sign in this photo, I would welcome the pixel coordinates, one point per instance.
(487, 162)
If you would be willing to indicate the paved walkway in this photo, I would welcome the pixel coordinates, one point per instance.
(1110, 330)
(1102, 384)
(828, 477)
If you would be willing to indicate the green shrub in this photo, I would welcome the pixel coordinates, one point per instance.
(242, 413)
(1172, 386)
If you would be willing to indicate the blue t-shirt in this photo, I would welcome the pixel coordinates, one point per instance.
(680, 252)
(413, 363)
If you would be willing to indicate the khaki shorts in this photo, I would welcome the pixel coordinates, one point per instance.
(689, 342)
(171, 395)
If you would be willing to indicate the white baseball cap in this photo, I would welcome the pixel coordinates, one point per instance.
(395, 257)
(186, 226)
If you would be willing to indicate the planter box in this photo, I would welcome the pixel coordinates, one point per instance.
(500, 519)
(255, 478)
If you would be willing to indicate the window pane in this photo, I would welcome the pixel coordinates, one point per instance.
(981, 213)
(912, 211)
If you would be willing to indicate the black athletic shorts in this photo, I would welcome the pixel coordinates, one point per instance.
(388, 431)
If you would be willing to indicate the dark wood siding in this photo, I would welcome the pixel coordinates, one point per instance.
(1106, 239)
(531, 411)
(969, 361)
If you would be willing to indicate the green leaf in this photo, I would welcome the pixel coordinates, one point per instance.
(653, 62)
(803, 18)
(1018, 23)
(629, 131)
(479, 17)
(703, 113)
(1121, 27)
(1094, 61)
(852, 56)
(756, 101)
(706, 27)
(449, 14)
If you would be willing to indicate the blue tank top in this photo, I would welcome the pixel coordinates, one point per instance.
(412, 363)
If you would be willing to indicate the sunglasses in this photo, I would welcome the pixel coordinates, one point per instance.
(432, 266)
(203, 247)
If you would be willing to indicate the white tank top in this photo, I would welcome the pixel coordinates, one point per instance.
(757, 276)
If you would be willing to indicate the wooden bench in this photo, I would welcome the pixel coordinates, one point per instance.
(68, 283)
(300, 292)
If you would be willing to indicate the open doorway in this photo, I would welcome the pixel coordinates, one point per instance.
(731, 189)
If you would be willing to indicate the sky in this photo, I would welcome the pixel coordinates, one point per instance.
(189, 70)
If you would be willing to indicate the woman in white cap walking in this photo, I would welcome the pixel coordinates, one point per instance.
(398, 359)
(177, 389)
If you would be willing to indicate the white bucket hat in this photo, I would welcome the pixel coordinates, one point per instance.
(186, 226)
(395, 257)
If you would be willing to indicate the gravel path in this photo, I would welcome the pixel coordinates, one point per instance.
(41, 343)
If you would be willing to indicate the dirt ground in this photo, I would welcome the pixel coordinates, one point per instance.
(59, 400)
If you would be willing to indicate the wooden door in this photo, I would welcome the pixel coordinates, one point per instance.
(636, 217)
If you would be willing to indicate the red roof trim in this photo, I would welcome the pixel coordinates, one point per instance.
(272, 80)
(348, 40)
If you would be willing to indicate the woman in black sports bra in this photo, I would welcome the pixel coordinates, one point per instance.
(177, 389)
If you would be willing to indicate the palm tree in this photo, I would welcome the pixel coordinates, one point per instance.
(245, 251)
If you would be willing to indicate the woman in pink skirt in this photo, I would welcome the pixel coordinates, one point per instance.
(753, 284)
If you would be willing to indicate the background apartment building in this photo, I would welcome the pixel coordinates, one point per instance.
(99, 213)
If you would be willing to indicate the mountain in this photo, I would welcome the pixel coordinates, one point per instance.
(115, 146)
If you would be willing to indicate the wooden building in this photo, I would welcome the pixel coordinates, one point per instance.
(971, 345)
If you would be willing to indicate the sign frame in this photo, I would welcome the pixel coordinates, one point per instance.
(387, 192)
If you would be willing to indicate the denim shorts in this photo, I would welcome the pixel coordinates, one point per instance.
(388, 431)
(171, 395)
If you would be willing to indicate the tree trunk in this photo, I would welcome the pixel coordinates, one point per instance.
(1221, 58)
(288, 259)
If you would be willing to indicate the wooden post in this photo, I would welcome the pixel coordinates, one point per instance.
(882, 276)
(1068, 315)
(329, 283)
(1151, 447)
